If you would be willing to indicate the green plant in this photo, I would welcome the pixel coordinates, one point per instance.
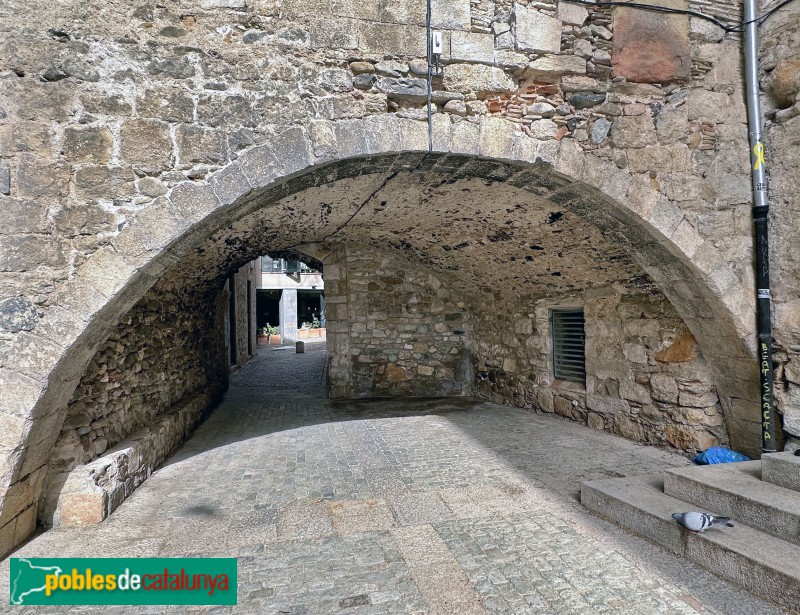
(268, 330)
(314, 324)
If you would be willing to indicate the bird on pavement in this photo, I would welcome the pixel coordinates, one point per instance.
(699, 522)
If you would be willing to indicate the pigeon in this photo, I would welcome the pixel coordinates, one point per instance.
(699, 522)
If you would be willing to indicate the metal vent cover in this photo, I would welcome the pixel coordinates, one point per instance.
(569, 344)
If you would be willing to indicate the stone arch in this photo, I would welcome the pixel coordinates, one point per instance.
(50, 360)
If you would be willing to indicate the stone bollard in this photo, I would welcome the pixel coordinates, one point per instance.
(300, 347)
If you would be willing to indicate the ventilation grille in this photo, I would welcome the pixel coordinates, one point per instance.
(569, 345)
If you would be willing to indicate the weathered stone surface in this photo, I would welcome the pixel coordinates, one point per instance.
(27, 252)
(395, 373)
(472, 47)
(336, 80)
(630, 429)
(652, 47)
(39, 179)
(784, 82)
(412, 90)
(664, 159)
(362, 67)
(543, 129)
(697, 397)
(102, 182)
(664, 388)
(364, 81)
(571, 13)
(633, 131)
(536, 31)
(449, 14)
(5, 178)
(705, 31)
(456, 107)
(25, 137)
(585, 100)
(672, 125)
(200, 145)
(551, 68)
(704, 104)
(608, 406)
(688, 438)
(792, 370)
(169, 68)
(215, 110)
(482, 80)
(583, 84)
(682, 349)
(168, 104)
(146, 145)
(92, 144)
(599, 131)
(17, 314)
(541, 108)
(151, 187)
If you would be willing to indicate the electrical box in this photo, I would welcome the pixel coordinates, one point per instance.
(436, 43)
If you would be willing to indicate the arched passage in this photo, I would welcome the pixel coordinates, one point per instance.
(247, 208)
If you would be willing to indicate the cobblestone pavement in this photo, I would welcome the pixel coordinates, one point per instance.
(444, 507)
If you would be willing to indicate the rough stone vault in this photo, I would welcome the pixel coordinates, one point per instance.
(583, 156)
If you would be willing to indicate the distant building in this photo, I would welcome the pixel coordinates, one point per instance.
(289, 295)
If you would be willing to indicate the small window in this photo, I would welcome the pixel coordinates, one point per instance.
(569, 345)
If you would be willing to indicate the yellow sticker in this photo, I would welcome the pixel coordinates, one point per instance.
(758, 150)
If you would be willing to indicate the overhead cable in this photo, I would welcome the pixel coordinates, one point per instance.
(738, 27)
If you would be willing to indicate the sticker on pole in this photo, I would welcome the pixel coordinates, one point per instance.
(758, 151)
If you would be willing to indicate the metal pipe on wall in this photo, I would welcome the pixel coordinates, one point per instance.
(761, 221)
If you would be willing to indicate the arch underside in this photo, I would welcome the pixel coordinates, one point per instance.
(484, 226)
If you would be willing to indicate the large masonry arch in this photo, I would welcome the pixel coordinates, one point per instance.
(149, 150)
(50, 359)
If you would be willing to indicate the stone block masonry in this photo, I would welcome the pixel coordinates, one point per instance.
(90, 492)
(150, 141)
(409, 333)
(405, 330)
(646, 378)
(154, 380)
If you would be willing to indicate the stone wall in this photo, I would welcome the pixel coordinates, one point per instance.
(404, 329)
(646, 377)
(398, 329)
(156, 377)
(132, 132)
(246, 329)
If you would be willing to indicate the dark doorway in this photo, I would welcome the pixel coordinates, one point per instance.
(310, 307)
(232, 316)
(249, 317)
(268, 308)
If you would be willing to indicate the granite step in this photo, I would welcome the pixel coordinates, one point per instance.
(782, 469)
(736, 490)
(762, 564)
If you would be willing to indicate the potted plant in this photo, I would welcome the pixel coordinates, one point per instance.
(268, 335)
(310, 329)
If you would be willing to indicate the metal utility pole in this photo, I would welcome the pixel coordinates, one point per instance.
(761, 220)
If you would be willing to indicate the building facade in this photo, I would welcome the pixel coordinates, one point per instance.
(584, 158)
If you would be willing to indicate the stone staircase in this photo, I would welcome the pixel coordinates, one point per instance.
(761, 553)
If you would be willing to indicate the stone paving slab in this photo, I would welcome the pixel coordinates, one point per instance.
(444, 507)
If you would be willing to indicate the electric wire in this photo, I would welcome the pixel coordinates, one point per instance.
(430, 74)
(738, 27)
